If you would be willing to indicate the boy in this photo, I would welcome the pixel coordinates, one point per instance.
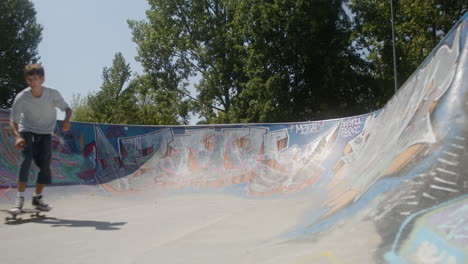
(33, 119)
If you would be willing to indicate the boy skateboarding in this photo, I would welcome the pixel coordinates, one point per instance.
(33, 119)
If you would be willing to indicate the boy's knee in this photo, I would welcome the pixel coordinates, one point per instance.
(44, 181)
(44, 176)
(25, 166)
(26, 163)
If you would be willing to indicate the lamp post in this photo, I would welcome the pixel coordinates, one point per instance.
(394, 52)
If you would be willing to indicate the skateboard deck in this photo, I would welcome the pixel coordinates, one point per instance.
(34, 213)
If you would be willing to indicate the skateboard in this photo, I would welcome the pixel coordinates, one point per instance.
(34, 213)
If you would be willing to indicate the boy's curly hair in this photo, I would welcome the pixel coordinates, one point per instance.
(33, 69)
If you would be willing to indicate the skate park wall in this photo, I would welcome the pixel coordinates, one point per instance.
(406, 163)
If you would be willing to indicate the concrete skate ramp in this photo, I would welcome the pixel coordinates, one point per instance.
(386, 187)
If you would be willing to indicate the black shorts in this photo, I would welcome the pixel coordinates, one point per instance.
(38, 148)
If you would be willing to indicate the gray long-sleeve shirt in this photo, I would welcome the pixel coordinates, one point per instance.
(37, 115)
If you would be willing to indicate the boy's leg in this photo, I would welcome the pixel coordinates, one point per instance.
(19, 203)
(42, 158)
(24, 168)
(21, 186)
(39, 188)
(27, 156)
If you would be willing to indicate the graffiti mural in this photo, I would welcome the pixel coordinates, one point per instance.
(439, 235)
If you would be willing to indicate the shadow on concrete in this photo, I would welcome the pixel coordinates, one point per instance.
(57, 222)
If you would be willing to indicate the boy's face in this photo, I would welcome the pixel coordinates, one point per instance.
(34, 81)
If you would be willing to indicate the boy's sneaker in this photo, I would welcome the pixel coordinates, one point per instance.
(18, 205)
(39, 204)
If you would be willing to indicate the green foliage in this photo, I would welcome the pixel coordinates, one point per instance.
(158, 106)
(82, 112)
(185, 38)
(113, 103)
(269, 60)
(419, 27)
(20, 35)
(259, 61)
(298, 61)
(137, 103)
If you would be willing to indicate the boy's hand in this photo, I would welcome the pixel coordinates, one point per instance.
(20, 143)
(66, 126)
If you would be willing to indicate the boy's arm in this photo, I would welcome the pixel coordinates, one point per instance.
(62, 105)
(15, 130)
(66, 122)
(19, 141)
(68, 114)
(15, 116)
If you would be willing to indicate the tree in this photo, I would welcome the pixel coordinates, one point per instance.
(20, 36)
(158, 106)
(259, 61)
(299, 62)
(82, 112)
(113, 103)
(419, 27)
(185, 38)
(123, 100)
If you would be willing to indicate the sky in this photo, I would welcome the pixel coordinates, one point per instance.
(80, 38)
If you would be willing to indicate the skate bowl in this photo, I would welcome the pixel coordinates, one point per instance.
(389, 186)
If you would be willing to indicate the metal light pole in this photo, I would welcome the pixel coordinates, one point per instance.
(394, 52)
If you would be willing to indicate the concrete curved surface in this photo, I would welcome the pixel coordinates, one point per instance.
(386, 187)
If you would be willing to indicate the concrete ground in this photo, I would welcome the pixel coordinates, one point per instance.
(185, 228)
